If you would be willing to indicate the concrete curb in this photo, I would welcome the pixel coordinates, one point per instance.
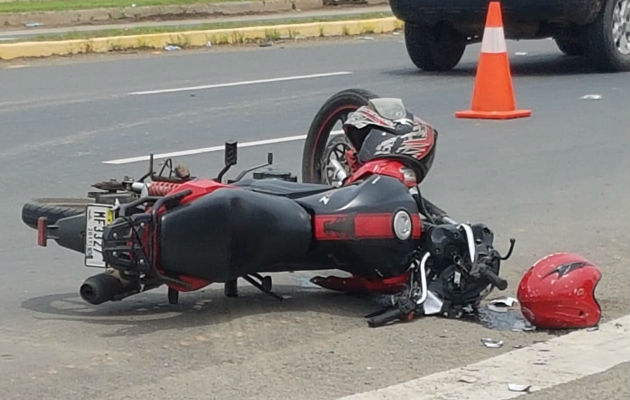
(190, 39)
(130, 14)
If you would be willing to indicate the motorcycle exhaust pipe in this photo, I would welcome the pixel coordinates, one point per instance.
(104, 287)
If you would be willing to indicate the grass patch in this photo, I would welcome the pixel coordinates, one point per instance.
(273, 34)
(65, 5)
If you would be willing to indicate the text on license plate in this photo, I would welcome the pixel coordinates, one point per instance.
(98, 216)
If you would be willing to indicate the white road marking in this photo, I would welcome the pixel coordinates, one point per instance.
(211, 149)
(241, 83)
(543, 365)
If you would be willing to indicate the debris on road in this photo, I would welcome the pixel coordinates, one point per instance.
(467, 379)
(367, 38)
(591, 97)
(593, 328)
(33, 25)
(501, 304)
(503, 314)
(491, 343)
(520, 53)
(515, 387)
(172, 47)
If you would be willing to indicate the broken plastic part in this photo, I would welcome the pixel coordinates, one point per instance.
(516, 387)
(491, 343)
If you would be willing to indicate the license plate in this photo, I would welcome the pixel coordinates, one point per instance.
(98, 216)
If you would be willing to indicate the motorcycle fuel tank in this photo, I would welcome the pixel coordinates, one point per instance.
(370, 228)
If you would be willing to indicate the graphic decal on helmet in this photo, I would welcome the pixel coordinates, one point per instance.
(564, 269)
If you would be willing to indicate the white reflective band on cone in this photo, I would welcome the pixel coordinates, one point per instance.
(493, 41)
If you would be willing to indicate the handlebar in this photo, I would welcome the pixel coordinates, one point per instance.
(385, 317)
(500, 283)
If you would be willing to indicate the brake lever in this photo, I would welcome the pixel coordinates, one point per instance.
(512, 242)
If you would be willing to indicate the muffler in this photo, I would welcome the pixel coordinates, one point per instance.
(104, 287)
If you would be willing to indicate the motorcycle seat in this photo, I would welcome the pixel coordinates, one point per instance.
(278, 187)
(231, 233)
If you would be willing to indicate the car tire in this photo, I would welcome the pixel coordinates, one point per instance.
(570, 46)
(601, 45)
(434, 48)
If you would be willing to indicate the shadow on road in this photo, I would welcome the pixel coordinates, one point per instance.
(149, 312)
(542, 65)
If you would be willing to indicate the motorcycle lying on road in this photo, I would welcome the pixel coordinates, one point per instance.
(360, 211)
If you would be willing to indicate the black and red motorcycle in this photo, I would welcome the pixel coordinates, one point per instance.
(361, 211)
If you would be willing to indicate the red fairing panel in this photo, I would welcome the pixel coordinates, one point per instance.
(199, 187)
(382, 167)
(357, 284)
(360, 226)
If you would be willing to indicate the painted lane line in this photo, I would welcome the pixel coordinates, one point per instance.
(241, 83)
(543, 365)
(211, 149)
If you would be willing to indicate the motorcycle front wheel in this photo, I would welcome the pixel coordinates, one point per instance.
(326, 139)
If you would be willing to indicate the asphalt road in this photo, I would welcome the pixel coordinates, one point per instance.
(557, 181)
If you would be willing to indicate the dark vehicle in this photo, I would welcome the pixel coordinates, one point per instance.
(437, 31)
(364, 216)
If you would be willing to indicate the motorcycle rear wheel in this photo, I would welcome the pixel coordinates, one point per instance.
(329, 118)
(53, 209)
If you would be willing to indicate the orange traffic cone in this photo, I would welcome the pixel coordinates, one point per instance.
(493, 96)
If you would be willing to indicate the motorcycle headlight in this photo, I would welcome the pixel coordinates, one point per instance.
(402, 225)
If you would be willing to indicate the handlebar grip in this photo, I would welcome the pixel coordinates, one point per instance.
(500, 283)
(387, 316)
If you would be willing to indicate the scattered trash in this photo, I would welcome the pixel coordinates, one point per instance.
(368, 368)
(491, 343)
(33, 24)
(540, 362)
(133, 4)
(618, 325)
(591, 97)
(396, 33)
(593, 328)
(467, 379)
(266, 44)
(172, 47)
(520, 53)
(517, 346)
(209, 44)
(501, 304)
(515, 387)
(367, 38)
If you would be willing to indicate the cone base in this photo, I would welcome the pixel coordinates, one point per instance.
(493, 114)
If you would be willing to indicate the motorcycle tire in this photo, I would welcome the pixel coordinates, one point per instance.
(53, 209)
(334, 110)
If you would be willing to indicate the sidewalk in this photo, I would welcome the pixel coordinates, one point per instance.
(201, 32)
(349, 11)
(103, 16)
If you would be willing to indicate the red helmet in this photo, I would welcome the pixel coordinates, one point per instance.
(559, 292)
